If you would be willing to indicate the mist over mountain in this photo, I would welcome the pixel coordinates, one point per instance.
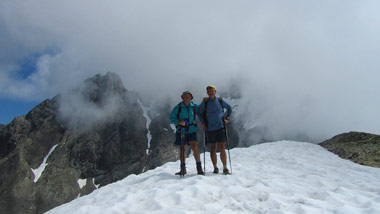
(76, 142)
(99, 99)
(304, 70)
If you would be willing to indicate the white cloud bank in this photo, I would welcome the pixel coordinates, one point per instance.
(312, 65)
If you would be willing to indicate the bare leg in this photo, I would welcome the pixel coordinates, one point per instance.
(194, 147)
(223, 155)
(182, 153)
(213, 154)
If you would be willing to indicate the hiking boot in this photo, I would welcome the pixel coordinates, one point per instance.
(182, 171)
(226, 171)
(199, 168)
(216, 170)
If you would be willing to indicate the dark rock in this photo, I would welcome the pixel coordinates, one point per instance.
(162, 147)
(101, 137)
(6, 146)
(361, 148)
(233, 135)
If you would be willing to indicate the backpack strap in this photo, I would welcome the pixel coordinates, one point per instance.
(204, 113)
(179, 110)
(195, 113)
(221, 103)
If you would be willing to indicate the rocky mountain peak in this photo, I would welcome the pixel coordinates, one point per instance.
(97, 100)
(110, 82)
(94, 134)
(101, 86)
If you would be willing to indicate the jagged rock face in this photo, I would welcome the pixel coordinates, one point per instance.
(361, 148)
(100, 137)
(31, 138)
(162, 147)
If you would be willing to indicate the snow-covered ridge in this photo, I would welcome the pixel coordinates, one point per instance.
(275, 178)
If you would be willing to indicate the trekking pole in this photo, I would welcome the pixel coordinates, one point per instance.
(183, 158)
(204, 154)
(182, 153)
(228, 144)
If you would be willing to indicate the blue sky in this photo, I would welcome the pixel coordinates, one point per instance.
(12, 108)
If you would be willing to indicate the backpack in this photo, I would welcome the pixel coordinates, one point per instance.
(204, 113)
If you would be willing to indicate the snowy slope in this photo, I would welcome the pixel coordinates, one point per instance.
(274, 178)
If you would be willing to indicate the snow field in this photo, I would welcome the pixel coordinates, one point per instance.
(273, 178)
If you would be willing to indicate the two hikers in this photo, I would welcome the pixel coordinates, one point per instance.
(210, 114)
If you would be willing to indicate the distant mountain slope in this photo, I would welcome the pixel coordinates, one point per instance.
(277, 178)
(70, 145)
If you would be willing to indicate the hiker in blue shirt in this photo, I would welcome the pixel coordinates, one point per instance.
(184, 117)
(210, 114)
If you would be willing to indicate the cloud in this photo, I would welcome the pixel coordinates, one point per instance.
(98, 100)
(79, 113)
(303, 68)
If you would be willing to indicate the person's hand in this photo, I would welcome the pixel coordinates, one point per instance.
(203, 126)
(182, 123)
(225, 121)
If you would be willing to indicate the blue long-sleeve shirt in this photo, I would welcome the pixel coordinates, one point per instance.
(214, 113)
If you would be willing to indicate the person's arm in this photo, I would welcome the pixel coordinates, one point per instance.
(229, 109)
(201, 108)
(196, 110)
(173, 115)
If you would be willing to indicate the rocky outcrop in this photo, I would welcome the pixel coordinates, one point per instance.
(72, 144)
(162, 147)
(361, 148)
(28, 140)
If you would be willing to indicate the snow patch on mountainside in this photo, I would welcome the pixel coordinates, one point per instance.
(148, 121)
(38, 172)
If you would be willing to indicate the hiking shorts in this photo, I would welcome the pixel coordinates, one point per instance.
(188, 138)
(216, 136)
